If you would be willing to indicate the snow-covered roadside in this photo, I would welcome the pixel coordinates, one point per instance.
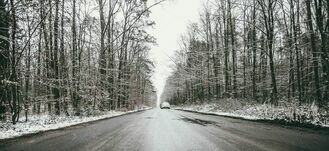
(40, 123)
(290, 113)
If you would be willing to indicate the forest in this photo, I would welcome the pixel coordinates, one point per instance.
(74, 57)
(254, 52)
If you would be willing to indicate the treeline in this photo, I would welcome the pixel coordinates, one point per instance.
(74, 57)
(269, 51)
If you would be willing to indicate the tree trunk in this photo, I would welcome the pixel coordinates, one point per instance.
(111, 54)
(234, 66)
(50, 71)
(63, 73)
(13, 77)
(226, 55)
(102, 56)
(74, 91)
(55, 60)
(295, 32)
(314, 53)
(324, 50)
(254, 61)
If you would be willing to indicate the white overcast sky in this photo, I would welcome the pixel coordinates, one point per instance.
(172, 18)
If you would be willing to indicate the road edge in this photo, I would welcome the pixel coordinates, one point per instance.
(4, 140)
(280, 122)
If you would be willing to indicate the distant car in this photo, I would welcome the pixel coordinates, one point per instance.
(164, 105)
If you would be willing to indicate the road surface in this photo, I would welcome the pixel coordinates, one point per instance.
(172, 130)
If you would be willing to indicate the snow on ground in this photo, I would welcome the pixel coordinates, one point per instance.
(288, 112)
(39, 123)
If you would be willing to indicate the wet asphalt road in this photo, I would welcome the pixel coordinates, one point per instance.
(172, 130)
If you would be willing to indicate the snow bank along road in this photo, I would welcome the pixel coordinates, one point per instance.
(170, 130)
